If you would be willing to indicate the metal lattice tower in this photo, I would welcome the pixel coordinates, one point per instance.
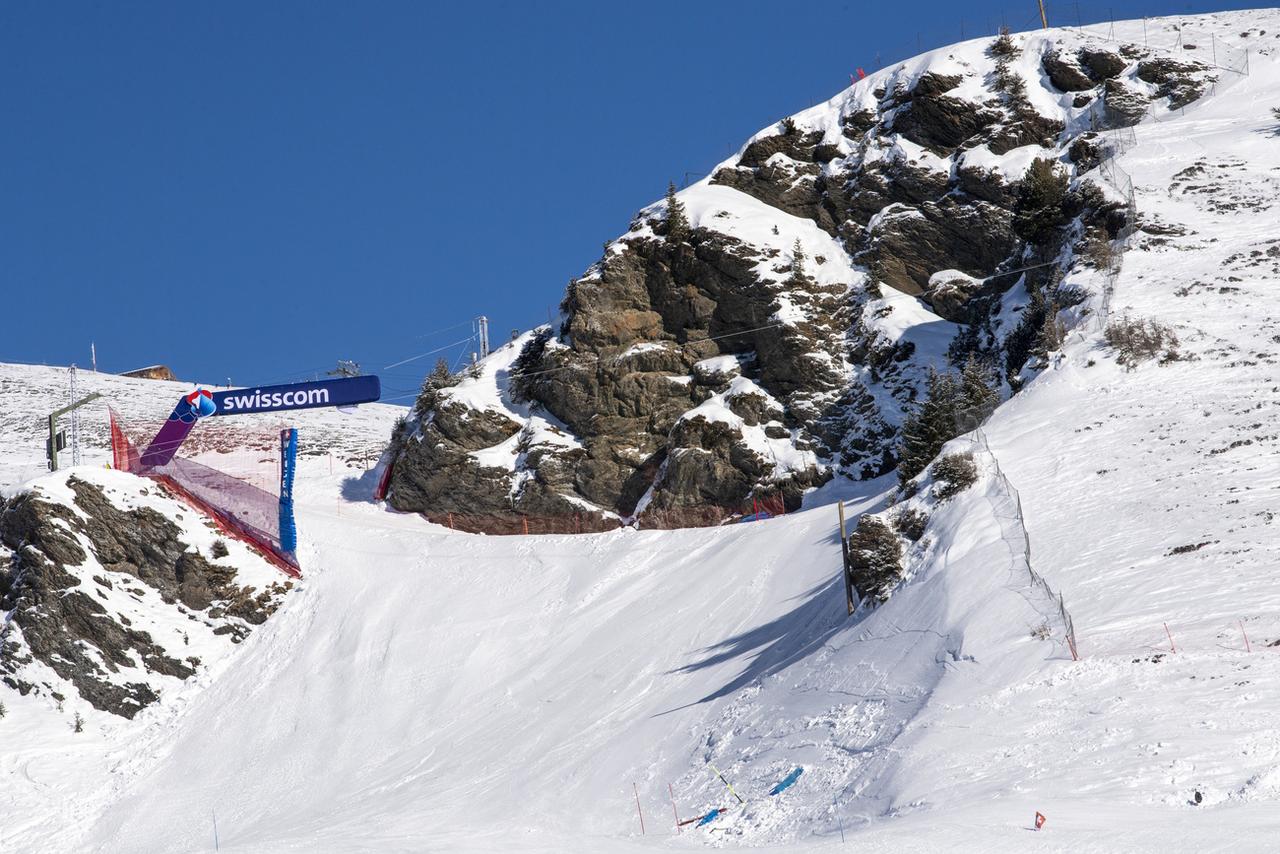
(72, 396)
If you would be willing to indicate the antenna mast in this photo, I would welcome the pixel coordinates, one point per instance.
(482, 324)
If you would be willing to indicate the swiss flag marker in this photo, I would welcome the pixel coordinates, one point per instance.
(1039, 819)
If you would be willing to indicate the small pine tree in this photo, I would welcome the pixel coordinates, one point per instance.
(798, 277)
(219, 549)
(1004, 45)
(978, 399)
(1052, 332)
(439, 378)
(3, 710)
(929, 426)
(77, 724)
(677, 221)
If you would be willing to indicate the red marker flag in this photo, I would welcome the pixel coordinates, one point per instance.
(861, 74)
(1039, 819)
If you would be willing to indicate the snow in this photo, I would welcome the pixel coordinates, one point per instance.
(426, 690)
(1010, 166)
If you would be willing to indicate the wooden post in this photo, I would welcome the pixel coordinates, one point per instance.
(1246, 636)
(450, 520)
(1172, 646)
(844, 553)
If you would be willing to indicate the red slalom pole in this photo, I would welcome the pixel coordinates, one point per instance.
(1173, 647)
(1246, 636)
(674, 811)
(639, 812)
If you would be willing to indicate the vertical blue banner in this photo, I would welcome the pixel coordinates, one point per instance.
(288, 461)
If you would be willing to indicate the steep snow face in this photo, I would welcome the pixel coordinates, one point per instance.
(813, 257)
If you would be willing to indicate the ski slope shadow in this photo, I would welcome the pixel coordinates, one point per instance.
(362, 487)
(779, 643)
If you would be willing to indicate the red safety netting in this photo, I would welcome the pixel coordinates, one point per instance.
(242, 494)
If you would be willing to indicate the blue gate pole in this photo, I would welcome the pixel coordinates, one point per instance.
(288, 460)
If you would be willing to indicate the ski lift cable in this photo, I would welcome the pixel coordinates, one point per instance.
(429, 353)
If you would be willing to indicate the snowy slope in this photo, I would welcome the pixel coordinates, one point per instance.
(426, 690)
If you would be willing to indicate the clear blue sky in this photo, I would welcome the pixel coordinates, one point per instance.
(255, 190)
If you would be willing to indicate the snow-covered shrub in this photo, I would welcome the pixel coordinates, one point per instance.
(218, 549)
(910, 523)
(1136, 341)
(3, 710)
(77, 725)
(954, 473)
(875, 559)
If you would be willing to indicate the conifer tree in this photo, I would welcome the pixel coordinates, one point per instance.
(977, 398)
(1042, 196)
(798, 278)
(439, 378)
(930, 426)
(677, 221)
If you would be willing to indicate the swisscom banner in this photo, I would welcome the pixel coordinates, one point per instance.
(272, 398)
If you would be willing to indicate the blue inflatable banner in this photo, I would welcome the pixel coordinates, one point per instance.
(348, 391)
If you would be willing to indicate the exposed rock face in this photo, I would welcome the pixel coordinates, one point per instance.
(707, 362)
(1102, 64)
(1179, 82)
(1065, 73)
(61, 563)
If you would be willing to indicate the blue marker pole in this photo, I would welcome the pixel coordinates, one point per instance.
(288, 461)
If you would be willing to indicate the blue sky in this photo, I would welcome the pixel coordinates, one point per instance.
(255, 190)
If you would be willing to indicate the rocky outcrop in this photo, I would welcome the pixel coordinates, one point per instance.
(1066, 73)
(65, 564)
(1102, 64)
(1180, 82)
(703, 359)
(908, 245)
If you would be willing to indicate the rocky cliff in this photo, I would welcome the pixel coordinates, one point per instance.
(768, 327)
(116, 592)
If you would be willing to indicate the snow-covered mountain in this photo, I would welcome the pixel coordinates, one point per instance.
(768, 327)
(425, 689)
